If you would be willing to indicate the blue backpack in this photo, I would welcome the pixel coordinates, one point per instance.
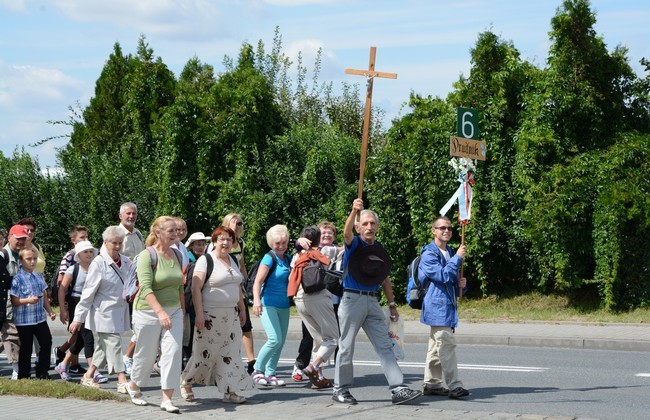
(414, 290)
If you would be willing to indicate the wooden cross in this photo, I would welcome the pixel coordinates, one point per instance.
(370, 74)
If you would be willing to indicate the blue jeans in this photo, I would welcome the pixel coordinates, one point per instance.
(276, 324)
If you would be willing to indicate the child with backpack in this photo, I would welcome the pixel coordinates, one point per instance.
(70, 290)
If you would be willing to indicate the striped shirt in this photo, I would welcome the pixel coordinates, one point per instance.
(66, 261)
(24, 285)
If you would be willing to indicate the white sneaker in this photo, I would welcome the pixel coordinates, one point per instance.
(128, 364)
(14, 375)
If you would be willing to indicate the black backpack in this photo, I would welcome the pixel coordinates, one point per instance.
(75, 273)
(189, 273)
(414, 290)
(313, 277)
(252, 273)
(54, 283)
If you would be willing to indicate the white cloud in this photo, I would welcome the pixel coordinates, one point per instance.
(23, 84)
(292, 3)
(29, 97)
(13, 5)
(178, 19)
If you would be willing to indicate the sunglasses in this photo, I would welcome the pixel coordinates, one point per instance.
(240, 223)
(444, 228)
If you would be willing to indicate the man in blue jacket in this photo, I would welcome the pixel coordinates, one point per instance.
(438, 273)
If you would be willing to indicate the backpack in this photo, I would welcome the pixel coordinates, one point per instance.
(5, 285)
(334, 276)
(189, 273)
(54, 282)
(414, 290)
(252, 273)
(132, 286)
(313, 277)
(75, 274)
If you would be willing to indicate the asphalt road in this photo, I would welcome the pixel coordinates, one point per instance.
(572, 383)
(550, 382)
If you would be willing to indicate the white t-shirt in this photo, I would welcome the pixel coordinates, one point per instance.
(81, 280)
(222, 289)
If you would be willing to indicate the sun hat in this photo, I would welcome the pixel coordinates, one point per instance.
(84, 246)
(370, 265)
(196, 236)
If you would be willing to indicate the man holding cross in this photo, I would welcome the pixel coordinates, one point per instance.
(366, 265)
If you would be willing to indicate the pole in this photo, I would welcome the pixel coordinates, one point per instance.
(462, 242)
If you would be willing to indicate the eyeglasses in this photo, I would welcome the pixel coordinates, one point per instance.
(444, 228)
(240, 223)
(224, 239)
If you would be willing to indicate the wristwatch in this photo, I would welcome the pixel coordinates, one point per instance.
(392, 304)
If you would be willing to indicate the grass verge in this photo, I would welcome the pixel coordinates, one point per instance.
(56, 389)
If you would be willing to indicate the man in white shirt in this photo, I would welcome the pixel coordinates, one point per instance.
(133, 241)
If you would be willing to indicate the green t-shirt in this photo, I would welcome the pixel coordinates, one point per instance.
(166, 283)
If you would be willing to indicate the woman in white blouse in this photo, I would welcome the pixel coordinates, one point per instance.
(103, 308)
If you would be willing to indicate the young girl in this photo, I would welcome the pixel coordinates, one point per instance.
(30, 314)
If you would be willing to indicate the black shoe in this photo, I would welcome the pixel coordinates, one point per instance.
(251, 366)
(435, 390)
(77, 369)
(344, 398)
(459, 392)
(59, 355)
(405, 395)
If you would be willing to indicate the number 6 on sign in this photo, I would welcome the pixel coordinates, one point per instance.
(467, 123)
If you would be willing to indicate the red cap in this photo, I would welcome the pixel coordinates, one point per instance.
(19, 231)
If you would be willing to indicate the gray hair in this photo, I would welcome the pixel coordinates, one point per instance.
(276, 233)
(364, 212)
(128, 205)
(113, 232)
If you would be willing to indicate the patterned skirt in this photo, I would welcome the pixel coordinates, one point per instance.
(216, 353)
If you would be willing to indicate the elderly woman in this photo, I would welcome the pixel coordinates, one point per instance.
(271, 303)
(103, 309)
(158, 313)
(219, 306)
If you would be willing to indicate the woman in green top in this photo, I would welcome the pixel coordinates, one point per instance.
(158, 311)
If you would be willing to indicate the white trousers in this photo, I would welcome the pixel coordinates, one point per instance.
(150, 337)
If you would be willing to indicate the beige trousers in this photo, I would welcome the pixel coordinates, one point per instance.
(441, 359)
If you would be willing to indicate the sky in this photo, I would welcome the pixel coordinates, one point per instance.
(52, 51)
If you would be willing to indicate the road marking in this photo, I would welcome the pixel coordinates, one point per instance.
(420, 365)
(643, 375)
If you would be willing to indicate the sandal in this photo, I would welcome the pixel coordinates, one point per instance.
(121, 388)
(323, 383)
(312, 373)
(187, 395)
(136, 395)
(231, 397)
(169, 407)
(89, 382)
(259, 378)
(273, 381)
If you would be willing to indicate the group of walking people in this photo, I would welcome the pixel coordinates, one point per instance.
(211, 327)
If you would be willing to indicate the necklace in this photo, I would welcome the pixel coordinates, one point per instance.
(226, 264)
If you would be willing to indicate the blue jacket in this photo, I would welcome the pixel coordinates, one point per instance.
(440, 278)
